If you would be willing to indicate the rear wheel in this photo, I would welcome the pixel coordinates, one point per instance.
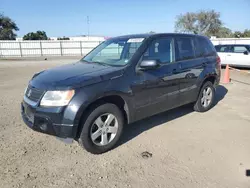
(206, 98)
(102, 128)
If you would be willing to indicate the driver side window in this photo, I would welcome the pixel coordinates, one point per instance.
(160, 49)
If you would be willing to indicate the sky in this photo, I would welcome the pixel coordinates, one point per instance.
(116, 17)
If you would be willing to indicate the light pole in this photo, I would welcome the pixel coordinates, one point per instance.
(88, 25)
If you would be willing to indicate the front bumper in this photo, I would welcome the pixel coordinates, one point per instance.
(48, 120)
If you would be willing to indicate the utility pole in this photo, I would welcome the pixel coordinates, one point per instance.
(88, 25)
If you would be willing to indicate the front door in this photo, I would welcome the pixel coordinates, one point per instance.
(161, 84)
(237, 57)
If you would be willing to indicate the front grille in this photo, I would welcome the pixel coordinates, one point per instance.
(34, 94)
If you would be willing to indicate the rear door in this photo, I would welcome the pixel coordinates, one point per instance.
(237, 57)
(223, 51)
(191, 67)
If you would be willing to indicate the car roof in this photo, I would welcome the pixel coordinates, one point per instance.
(147, 35)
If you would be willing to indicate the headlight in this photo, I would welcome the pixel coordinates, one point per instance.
(25, 90)
(57, 98)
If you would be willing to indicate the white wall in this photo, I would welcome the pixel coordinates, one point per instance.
(217, 41)
(46, 48)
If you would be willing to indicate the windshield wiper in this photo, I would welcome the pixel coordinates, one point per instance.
(100, 63)
(85, 61)
(97, 62)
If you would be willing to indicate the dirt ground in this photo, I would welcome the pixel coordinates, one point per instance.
(188, 149)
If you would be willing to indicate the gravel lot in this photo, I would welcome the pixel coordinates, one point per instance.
(188, 149)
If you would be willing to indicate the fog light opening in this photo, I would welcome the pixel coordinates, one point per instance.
(43, 126)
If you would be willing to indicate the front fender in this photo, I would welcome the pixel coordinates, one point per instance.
(86, 96)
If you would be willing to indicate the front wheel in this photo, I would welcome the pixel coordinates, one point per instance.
(206, 98)
(102, 128)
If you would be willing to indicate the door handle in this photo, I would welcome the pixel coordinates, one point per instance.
(228, 55)
(174, 71)
(178, 69)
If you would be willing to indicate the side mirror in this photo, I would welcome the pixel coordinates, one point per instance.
(246, 52)
(149, 64)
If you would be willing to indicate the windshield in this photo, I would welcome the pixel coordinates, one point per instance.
(114, 52)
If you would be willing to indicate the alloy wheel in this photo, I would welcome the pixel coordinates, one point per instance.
(206, 98)
(104, 129)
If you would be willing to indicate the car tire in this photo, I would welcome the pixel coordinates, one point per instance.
(95, 121)
(205, 101)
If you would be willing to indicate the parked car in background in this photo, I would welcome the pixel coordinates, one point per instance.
(237, 55)
(121, 81)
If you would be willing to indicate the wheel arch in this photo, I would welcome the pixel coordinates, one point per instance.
(211, 78)
(115, 98)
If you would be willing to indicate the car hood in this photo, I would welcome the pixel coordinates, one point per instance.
(74, 75)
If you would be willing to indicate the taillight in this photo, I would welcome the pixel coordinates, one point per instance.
(218, 61)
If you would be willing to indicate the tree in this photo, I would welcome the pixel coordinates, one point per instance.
(224, 32)
(7, 28)
(238, 34)
(246, 33)
(202, 22)
(39, 35)
(186, 23)
(63, 38)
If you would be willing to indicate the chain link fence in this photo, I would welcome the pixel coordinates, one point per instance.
(45, 48)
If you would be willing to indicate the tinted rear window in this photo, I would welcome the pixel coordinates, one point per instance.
(222, 48)
(184, 48)
(204, 47)
(239, 49)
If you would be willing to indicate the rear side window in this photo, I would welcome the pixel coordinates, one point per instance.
(184, 48)
(239, 49)
(204, 47)
(222, 48)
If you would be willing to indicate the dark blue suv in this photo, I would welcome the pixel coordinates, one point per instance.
(122, 80)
